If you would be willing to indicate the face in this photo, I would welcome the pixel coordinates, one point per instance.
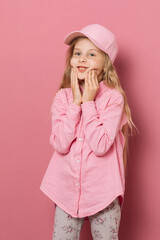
(88, 55)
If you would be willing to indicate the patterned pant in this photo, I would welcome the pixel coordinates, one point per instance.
(104, 224)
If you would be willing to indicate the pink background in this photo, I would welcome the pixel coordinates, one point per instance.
(32, 56)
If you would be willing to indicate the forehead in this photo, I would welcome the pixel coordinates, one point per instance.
(86, 44)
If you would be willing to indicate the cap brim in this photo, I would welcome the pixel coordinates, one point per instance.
(68, 39)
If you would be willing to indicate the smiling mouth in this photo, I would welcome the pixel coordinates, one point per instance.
(82, 69)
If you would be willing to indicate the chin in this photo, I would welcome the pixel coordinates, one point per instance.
(81, 76)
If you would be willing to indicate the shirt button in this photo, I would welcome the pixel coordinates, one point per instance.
(77, 183)
(77, 161)
(111, 138)
(80, 139)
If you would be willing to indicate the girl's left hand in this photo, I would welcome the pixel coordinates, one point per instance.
(91, 86)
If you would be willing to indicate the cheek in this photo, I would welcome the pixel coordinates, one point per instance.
(97, 67)
(95, 64)
(73, 62)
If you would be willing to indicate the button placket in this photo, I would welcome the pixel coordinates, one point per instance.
(77, 160)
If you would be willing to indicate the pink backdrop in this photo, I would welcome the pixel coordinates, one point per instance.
(31, 64)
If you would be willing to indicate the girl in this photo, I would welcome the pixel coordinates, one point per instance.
(90, 119)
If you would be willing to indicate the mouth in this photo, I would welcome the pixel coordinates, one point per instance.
(81, 68)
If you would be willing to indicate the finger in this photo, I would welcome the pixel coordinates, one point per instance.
(73, 78)
(76, 84)
(76, 78)
(86, 80)
(90, 79)
(94, 78)
(97, 78)
(75, 74)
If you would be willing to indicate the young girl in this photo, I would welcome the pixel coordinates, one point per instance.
(90, 119)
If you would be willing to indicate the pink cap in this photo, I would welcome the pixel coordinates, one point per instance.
(102, 37)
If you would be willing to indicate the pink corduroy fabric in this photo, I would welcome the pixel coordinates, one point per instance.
(86, 172)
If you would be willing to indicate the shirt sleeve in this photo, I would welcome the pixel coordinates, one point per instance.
(64, 122)
(101, 130)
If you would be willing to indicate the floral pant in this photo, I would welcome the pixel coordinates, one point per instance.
(104, 224)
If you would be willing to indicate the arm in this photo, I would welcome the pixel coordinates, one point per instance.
(101, 132)
(64, 122)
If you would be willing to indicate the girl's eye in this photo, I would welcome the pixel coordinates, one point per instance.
(90, 53)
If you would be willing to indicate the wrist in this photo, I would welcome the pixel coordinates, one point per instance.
(88, 100)
(77, 103)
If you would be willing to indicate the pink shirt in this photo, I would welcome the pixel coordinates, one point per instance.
(86, 172)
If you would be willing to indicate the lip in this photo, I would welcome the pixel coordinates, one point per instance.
(82, 67)
(82, 70)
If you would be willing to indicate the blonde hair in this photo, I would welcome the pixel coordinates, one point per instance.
(111, 80)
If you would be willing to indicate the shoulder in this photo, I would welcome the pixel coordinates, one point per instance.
(63, 95)
(60, 94)
(58, 100)
(117, 95)
(112, 97)
(112, 94)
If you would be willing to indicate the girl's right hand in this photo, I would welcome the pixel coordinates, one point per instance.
(77, 97)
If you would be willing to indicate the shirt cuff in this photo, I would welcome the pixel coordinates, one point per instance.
(74, 111)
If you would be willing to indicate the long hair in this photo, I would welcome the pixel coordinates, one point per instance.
(111, 80)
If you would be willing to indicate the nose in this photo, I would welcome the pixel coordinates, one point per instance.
(82, 59)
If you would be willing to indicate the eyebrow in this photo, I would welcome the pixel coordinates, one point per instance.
(88, 50)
